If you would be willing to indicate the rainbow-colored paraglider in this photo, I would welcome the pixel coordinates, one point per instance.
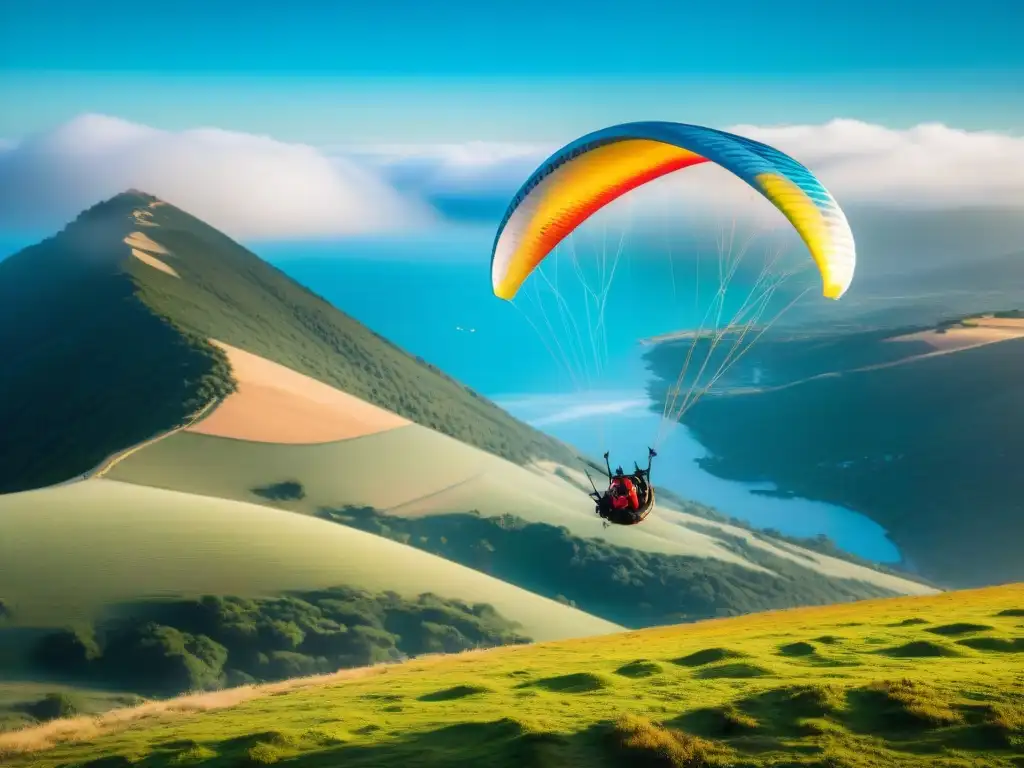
(587, 174)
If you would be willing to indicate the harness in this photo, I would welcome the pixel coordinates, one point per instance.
(624, 494)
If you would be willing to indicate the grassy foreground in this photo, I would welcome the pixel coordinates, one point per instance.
(924, 681)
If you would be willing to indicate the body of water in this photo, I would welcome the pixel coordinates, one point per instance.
(421, 301)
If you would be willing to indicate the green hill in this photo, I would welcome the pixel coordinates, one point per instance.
(283, 594)
(102, 350)
(684, 566)
(908, 682)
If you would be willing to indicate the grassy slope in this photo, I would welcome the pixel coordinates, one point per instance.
(228, 293)
(901, 682)
(102, 351)
(632, 588)
(76, 551)
(954, 420)
(427, 474)
(413, 471)
(87, 369)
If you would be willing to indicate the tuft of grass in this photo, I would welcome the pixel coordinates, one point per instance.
(920, 649)
(1006, 723)
(959, 628)
(914, 622)
(910, 703)
(799, 648)
(994, 644)
(639, 668)
(708, 656)
(812, 700)
(455, 692)
(828, 639)
(577, 682)
(786, 708)
(737, 669)
(720, 722)
(646, 744)
(1018, 612)
(197, 753)
(262, 754)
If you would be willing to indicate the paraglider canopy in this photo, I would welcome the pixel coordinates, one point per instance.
(589, 173)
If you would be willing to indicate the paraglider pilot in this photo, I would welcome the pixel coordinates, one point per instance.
(629, 498)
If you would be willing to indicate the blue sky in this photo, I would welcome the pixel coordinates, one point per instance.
(324, 72)
(422, 113)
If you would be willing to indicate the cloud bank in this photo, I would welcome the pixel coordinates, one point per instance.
(916, 198)
(256, 187)
(249, 186)
(929, 166)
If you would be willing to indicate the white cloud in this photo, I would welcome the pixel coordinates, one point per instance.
(929, 166)
(474, 180)
(253, 186)
(249, 186)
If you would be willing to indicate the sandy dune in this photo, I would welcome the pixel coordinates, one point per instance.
(274, 404)
(143, 248)
(977, 332)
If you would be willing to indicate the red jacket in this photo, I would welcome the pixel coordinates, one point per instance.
(629, 499)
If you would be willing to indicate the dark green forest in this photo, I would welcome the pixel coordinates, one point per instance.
(167, 648)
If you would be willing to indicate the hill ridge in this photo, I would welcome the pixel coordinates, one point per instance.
(80, 300)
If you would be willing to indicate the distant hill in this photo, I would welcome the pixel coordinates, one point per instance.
(919, 294)
(922, 430)
(104, 329)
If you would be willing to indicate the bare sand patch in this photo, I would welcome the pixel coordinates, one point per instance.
(275, 404)
(977, 333)
(144, 218)
(144, 242)
(154, 262)
(997, 322)
(143, 247)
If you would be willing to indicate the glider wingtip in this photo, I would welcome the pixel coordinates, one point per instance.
(834, 290)
(505, 292)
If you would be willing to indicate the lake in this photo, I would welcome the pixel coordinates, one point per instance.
(420, 299)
